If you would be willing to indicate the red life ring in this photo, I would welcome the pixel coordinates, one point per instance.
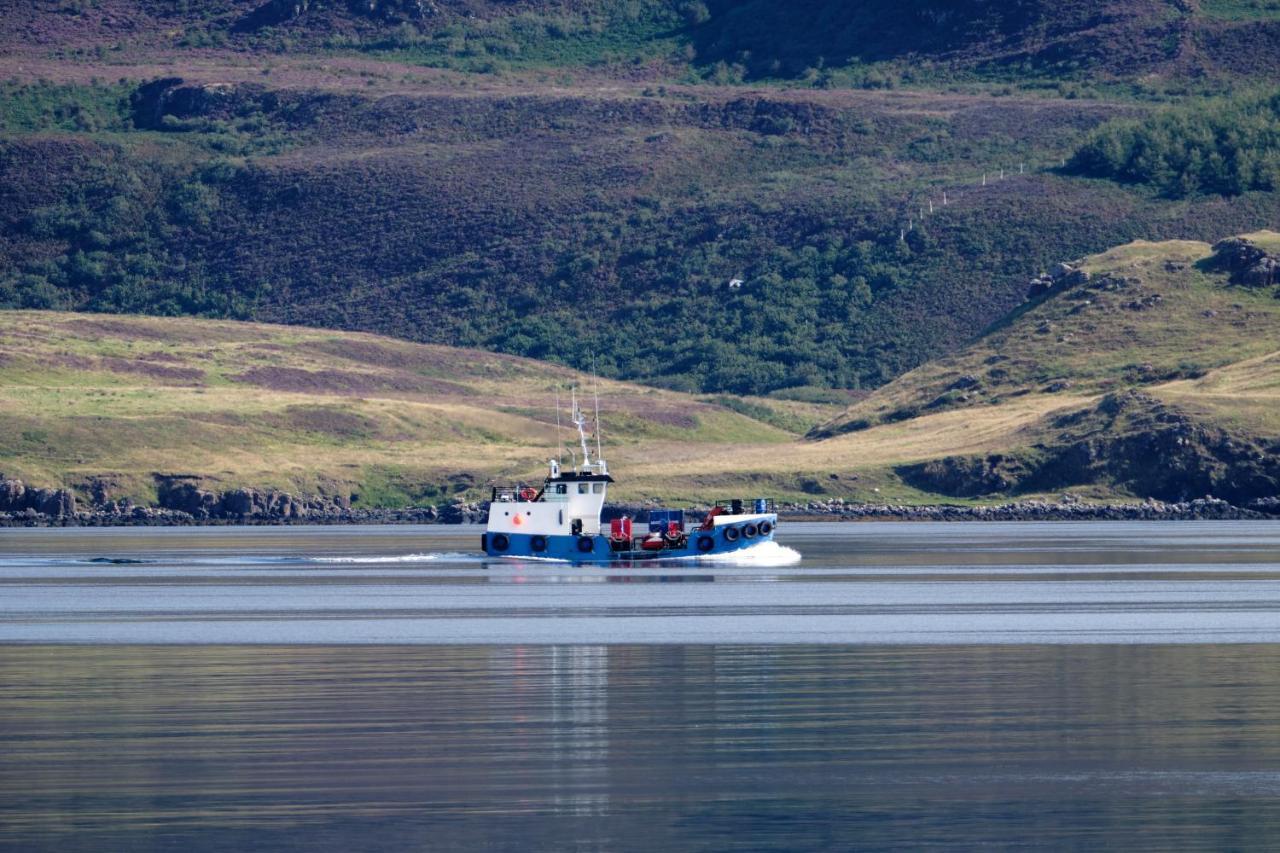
(528, 493)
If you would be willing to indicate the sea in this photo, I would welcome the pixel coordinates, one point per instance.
(869, 686)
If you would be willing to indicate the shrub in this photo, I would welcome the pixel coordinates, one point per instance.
(1229, 147)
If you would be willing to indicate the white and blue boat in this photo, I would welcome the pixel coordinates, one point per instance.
(561, 519)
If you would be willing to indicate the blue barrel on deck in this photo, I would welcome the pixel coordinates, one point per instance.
(761, 505)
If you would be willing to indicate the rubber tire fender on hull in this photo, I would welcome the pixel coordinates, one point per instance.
(500, 542)
(586, 544)
(765, 528)
(538, 544)
(731, 534)
(706, 543)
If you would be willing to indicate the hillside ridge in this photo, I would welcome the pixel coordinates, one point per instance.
(1140, 343)
(1147, 371)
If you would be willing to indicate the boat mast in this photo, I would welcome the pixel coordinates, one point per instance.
(580, 421)
(555, 468)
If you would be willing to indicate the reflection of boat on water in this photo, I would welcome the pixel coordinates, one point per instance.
(561, 519)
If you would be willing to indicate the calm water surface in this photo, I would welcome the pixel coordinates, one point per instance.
(900, 687)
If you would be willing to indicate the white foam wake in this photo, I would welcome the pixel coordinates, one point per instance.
(401, 558)
(765, 555)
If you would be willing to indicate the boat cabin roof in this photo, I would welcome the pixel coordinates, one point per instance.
(575, 477)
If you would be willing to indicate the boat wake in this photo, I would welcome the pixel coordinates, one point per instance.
(764, 555)
(399, 558)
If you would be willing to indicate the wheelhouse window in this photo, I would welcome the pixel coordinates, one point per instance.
(598, 488)
(584, 488)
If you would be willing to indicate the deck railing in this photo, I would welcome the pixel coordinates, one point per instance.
(738, 506)
(510, 493)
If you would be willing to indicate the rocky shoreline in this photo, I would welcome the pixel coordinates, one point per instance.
(1200, 509)
(185, 505)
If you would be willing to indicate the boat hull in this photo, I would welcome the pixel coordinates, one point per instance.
(724, 539)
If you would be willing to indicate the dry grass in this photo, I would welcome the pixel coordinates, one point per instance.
(860, 462)
(70, 414)
(1152, 313)
(288, 407)
(1245, 395)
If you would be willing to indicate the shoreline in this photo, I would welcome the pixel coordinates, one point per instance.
(1200, 509)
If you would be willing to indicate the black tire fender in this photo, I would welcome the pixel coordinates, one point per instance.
(706, 543)
(538, 544)
(500, 542)
(586, 544)
(731, 534)
(766, 528)
(750, 531)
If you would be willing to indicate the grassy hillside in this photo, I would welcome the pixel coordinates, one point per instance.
(1152, 370)
(132, 402)
(578, 181)
(1149, 313)
(528, 222)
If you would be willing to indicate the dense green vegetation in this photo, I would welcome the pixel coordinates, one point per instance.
(872, 44)
(570, 189)
(1246, 10)
(1227, 147)
(252, 203)
(46, 106)
(631, 32)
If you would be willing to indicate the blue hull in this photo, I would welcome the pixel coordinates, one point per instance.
(597, 549)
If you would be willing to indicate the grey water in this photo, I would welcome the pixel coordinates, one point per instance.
(864, 686)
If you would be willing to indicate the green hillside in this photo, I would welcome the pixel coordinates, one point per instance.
(528, 223)
(1150, 370)
(521, 177)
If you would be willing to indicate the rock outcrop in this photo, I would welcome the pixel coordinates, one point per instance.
(1062, 276)
(182, 494)
(170, 99)
(1249, 264)
(1065, 509)
(18, 499)
(1129, 440)
(182, 501)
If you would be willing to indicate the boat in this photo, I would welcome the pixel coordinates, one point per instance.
(561, 518)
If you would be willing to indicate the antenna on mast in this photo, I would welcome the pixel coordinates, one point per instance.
(573, 418)
(581, 423)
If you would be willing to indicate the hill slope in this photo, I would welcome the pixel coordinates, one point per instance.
(1150, 370)
(526, 223)
(519, 176)
(1161, 358)
(757, 38)
(128, 406)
